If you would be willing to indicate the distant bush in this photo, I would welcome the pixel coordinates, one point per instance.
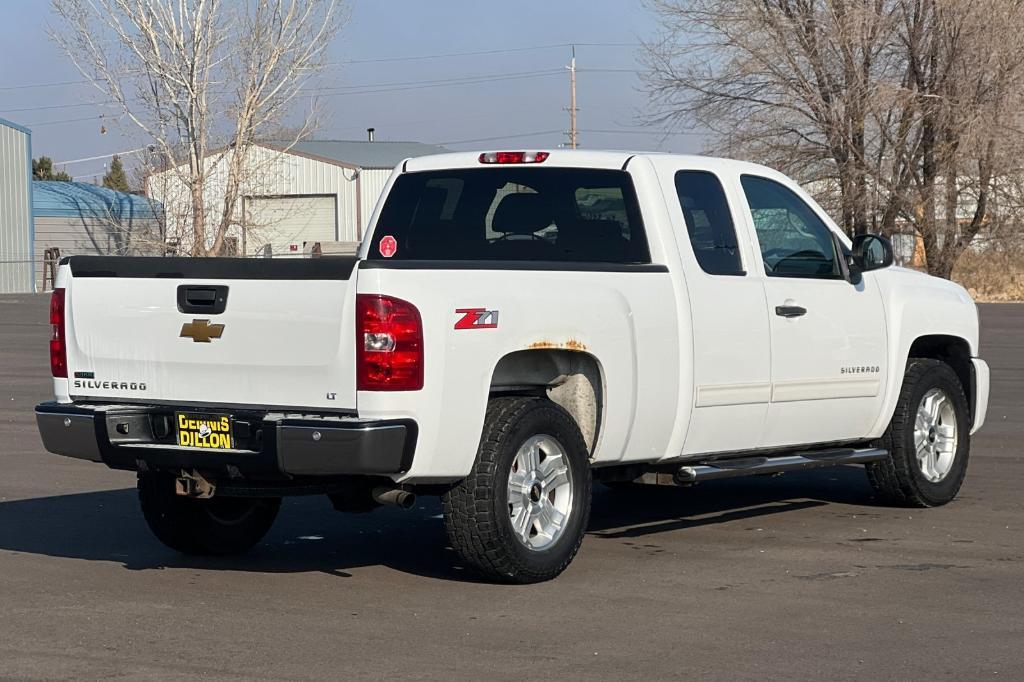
(993, 276)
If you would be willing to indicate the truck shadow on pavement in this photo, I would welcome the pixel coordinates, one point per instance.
(310, 537)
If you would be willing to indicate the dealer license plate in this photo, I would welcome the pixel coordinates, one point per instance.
(211, 431)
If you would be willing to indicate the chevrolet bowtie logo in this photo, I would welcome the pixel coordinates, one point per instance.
(201, 331)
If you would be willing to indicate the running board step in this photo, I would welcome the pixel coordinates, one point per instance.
(754, 466)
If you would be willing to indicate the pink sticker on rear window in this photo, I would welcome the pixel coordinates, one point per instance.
(388, 246)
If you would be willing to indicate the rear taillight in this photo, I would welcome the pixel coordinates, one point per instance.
(389, 344)
(58, 343)
(513, 157)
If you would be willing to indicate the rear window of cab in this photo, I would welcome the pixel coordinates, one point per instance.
(512, 214)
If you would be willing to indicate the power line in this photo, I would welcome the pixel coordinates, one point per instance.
(41, 85)
(332, 129)
(475, 81)
(360, 89)
(377, 60)
(532, 48)
(514, 136)
(538, 133)
(94, 117)
(626, 131)
(458, 80)
(61, 106)
(101, 156)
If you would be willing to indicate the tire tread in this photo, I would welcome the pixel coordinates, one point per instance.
(892, 478)
(468, 506)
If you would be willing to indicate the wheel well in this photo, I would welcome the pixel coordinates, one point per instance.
(571, 379)
(952, 350)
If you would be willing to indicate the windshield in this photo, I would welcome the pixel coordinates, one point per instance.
(512, 213)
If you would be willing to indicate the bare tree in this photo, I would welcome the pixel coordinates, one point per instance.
(877, 104)
(783, 81)
(964, 84)
(202, 80)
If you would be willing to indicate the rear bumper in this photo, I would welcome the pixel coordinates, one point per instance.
(270, 446)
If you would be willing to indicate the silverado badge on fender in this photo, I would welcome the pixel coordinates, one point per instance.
(201, 331)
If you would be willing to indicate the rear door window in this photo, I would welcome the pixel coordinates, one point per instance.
(513, 214)
(709, 223)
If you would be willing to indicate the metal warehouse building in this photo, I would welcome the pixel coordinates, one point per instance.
(73, 218)
(16, 272)
(312, 191)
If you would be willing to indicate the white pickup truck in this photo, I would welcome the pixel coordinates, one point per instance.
(516, 325)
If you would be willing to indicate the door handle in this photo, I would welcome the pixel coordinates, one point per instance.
(790, 311)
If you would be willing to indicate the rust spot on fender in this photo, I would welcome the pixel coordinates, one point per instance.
(571, 344)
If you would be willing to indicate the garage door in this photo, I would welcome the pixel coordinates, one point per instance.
(286, 222)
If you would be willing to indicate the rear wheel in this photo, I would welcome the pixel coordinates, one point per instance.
(219, 525)
(521, 513)
(928, 439)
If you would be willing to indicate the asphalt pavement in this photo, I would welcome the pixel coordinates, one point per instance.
(802, 576)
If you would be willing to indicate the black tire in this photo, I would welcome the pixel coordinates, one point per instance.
(217, 526)
(898, 479)
(477, 511)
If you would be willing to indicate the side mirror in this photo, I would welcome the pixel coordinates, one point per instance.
(871, 252)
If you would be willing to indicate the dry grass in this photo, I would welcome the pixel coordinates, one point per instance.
(992, 276)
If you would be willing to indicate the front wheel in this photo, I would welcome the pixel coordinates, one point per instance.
(219, 525)
(521, 513)
(928, 439)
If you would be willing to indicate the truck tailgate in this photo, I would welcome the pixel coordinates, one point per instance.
(284, 338)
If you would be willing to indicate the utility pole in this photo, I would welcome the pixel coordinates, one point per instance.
(573, 133)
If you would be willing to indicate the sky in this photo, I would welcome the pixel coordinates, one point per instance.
(393, 53)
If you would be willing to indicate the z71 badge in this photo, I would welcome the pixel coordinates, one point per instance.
(476, 318)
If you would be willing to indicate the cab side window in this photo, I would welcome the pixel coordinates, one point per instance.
(795, 242)
(709, 223)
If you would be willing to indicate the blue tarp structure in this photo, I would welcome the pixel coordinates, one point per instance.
(90, 202)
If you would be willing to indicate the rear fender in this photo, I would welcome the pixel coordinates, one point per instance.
(461, 363)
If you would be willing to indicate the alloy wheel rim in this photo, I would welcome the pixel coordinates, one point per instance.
(540, 492)
(935, 435)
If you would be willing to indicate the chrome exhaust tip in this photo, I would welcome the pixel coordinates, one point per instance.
(394, 497)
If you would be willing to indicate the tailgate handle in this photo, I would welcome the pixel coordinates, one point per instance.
(208, 299)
